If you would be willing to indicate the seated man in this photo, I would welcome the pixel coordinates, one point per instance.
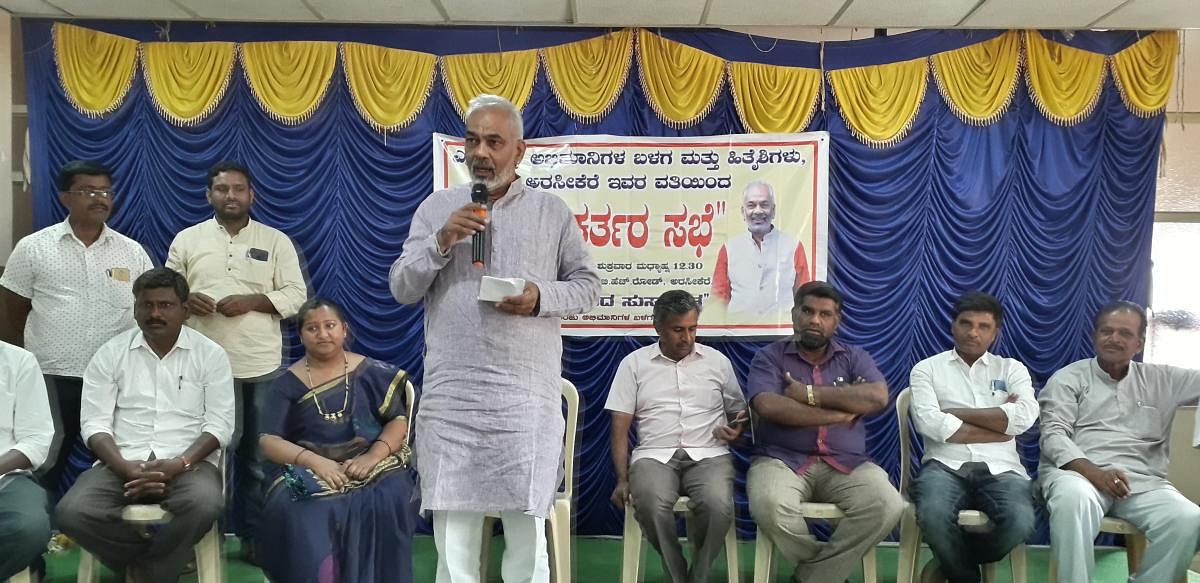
(968, 404)
(810, 392)
(688, 406)
(1105, 424)
(157, 405)
(26, 431)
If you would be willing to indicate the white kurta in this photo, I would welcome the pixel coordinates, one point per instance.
(488, 435)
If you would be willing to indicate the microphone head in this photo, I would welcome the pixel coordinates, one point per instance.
(479, 193)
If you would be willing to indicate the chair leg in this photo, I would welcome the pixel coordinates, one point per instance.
(1017, 560)
(1052, 576)
(89, 568)
(1135, 549)
(989, 572)
(733, 575)
(764, 563)
(485, 547)
(25, 576)
(560, 541)
(631, 542)
(910, 547)
(870, 567)
(208, 558)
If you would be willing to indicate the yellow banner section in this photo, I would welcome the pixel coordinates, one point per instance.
(681, 83)
(187, 80)
(95, 68)
(739, 221)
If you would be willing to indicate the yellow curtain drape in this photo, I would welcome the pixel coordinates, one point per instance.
(880, 102)
(95, 68)
(1144, 72)
(774, 99)
(681, 83)
(187, 80)
(389, 86)
(979, 81)
(508, 74)
(588, 76)
(1064, 82)
(289, 78)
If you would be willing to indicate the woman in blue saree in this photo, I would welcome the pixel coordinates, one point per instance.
(339, 505)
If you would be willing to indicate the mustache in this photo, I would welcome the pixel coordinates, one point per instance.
(155, 321)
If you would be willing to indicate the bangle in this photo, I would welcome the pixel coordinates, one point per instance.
(297, 458)
(385, 444)
(812, 399)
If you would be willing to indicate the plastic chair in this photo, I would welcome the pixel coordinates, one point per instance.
(764, 548)
(25, 576)
(558, 527)
(631, 557)
(910, 532)
(210, 566)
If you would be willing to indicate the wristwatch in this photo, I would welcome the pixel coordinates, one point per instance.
(187, 466)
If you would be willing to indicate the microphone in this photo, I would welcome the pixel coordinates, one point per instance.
(479, 240)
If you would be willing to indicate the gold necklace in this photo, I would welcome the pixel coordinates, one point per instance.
(332, 415)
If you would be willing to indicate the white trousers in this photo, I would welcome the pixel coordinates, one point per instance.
(1170, 521)
(459, 540)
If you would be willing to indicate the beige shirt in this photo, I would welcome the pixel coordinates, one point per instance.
(81, 295)
(676, 405)
(945, 381)
(1124, 425)
(258, 260)
(158, 406)
(26, 424)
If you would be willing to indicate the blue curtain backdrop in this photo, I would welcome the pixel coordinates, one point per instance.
(1053, 220)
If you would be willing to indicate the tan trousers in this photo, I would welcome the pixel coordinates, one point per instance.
(871, 504)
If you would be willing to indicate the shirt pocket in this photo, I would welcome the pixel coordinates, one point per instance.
(1146, 422)
(115, 291)
(191, 398)
(256, 275)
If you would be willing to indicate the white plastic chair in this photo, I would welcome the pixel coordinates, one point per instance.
(25, 576)
(631, 557)
(910, 532)
(764, 549)
(210, 567)
(558, 526)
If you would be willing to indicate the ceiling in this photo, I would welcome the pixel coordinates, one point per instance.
(1064, 14)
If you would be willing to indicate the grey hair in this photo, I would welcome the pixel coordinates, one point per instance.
(760, 184)
(488, 101)
(673, 303)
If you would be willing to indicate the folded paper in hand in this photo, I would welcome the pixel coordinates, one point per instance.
(494, 289)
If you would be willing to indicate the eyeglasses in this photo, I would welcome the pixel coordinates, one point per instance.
(93, 193)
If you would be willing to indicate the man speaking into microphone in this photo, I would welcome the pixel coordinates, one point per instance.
(488, 437)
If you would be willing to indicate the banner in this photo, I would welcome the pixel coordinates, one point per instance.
(739, 221)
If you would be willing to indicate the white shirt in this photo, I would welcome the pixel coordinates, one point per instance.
(81, 295)
(160, 406)
(761, 277)
(945, 381)
(258, 260)
(676, 405)
(25, 421)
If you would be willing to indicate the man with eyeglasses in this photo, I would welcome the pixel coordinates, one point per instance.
(245, 278)
(68, 290)
(688, 406)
